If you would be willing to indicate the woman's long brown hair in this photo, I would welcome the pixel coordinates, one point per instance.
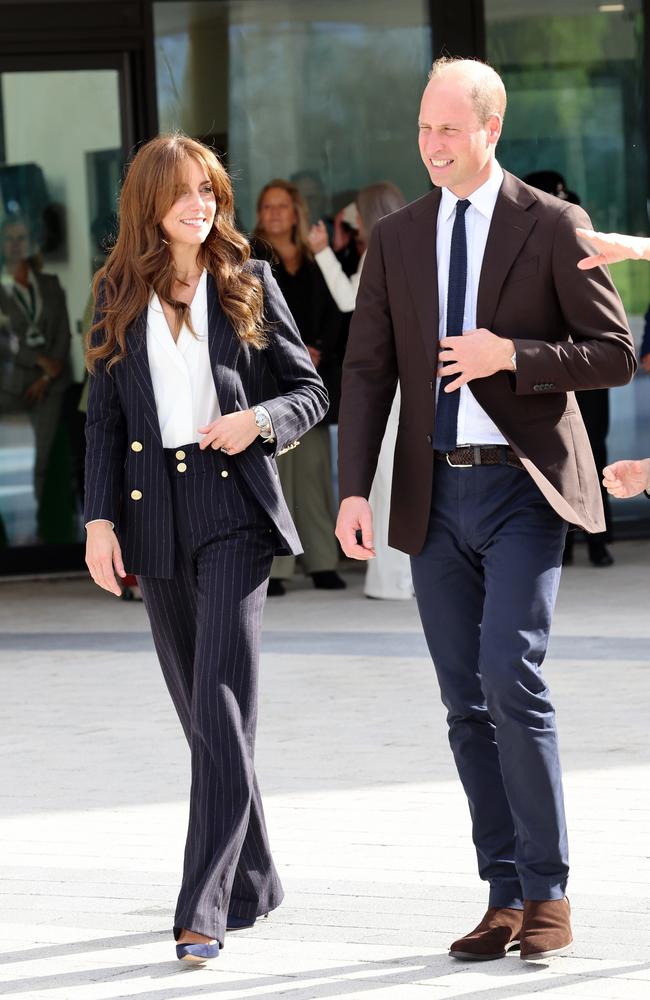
(141, 262)
(300, 233)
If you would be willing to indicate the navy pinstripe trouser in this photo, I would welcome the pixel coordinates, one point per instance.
(206, 625)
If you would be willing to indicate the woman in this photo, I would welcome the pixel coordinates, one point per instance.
(182, 490)
(388, 575)
(281, 235)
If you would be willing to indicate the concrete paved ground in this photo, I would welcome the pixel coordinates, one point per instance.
(368, 824)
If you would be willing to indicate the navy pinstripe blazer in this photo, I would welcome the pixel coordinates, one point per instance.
(122, 410)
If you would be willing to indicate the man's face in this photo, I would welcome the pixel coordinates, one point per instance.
(455, 147)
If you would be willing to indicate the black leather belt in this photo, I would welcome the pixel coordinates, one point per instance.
(474, 454)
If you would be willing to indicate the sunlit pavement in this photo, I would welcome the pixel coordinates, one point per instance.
(367, 821)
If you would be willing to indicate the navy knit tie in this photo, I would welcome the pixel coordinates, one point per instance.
(447, 404)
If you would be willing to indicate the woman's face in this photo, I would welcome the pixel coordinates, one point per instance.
(277, 215)
(190, 218)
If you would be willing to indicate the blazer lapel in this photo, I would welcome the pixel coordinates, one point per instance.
(224, 346)
(138, 360)
(510, 227)
(419, 252)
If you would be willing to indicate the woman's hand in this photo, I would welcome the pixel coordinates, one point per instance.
(232, 432)
(612, 248)
(104, 556)
(318, 238)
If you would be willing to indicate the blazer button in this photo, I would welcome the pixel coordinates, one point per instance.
(429, 439)
(136, 446)
(136, 495)
(181, 465)
(224, 474)
(180, 455)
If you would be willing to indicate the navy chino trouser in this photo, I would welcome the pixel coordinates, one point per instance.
(486, 583)
(206, 625)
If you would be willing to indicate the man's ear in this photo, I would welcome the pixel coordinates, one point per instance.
(494, 127)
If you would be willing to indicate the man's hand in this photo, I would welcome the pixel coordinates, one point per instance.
(104, 556)
(355, 515)
(644, 361)
(627, 478)
(613, 247)
(36, 391)
(476, 354)
(232, 432)
(318, 238)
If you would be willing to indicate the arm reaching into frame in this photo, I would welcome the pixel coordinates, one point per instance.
(612, 248)
(627, 478)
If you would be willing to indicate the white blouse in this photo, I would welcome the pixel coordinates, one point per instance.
(342, 289)
(181, 372)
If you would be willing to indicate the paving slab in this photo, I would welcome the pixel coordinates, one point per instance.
(368, 823)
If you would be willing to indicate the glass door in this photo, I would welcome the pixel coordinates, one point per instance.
(61, 158)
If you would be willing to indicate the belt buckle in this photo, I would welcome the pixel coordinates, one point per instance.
(461, 465)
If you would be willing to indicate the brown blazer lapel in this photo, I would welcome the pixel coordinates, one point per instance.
(418, 242)
(510, 227)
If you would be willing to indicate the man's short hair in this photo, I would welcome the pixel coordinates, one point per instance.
(487, 90)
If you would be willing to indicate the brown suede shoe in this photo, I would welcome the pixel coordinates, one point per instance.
(497, 932)
(546, 929)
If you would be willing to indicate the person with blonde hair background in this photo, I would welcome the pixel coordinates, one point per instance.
(388, 574)
(182, 490)
(281, 235)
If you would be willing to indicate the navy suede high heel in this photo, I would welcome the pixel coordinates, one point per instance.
(198, 952)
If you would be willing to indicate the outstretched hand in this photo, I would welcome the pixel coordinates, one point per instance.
(627, 478)
(612, 248)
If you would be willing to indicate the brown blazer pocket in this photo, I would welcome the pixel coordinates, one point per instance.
(524, 269)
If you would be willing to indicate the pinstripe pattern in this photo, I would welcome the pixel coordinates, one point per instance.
(122, 409)
(206, 624)
(201, 542)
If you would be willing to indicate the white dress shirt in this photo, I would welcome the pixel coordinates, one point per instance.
(181, 372)
(474, 425)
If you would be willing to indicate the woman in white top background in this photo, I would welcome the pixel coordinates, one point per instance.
(182, 490)
(388, 575)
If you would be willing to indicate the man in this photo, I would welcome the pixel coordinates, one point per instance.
(486, 473)
(627, 477)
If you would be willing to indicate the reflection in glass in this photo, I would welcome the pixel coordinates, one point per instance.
(325, 93)
(58, 186)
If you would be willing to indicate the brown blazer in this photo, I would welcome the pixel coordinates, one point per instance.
(569, 329)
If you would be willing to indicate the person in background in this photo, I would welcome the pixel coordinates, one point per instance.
(594, 406)
(34, 313)
(627, 477)
(280, 235)
(388, 575)
(182, 490)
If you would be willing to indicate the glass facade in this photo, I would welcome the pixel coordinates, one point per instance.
(575, 76)
(321, 91)
(324, 92)
(60, 166)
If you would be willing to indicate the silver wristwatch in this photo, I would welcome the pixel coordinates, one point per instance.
(263, 422)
